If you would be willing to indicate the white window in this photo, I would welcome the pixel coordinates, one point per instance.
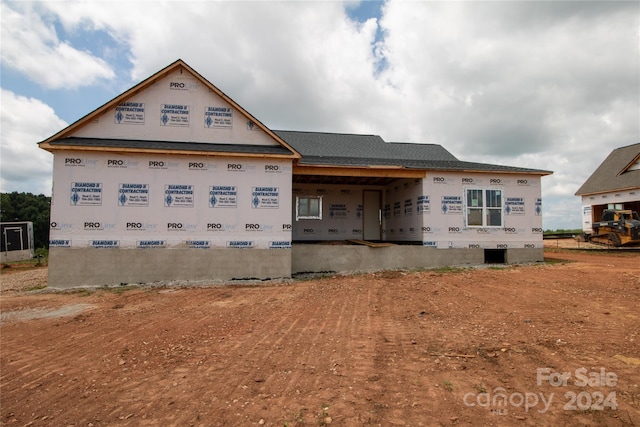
(484, 208)
(308, 207)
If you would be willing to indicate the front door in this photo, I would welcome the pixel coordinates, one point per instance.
(371, 215)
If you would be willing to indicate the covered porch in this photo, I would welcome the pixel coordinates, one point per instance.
(349, 203)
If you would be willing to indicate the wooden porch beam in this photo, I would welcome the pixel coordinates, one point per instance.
(378, 172)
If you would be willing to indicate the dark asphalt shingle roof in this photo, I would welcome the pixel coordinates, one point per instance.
(173, 146)
(449, 165)
(318, 148)
(612, 175)
(351, 146)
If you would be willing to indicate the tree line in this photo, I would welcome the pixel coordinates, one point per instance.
(16, 207)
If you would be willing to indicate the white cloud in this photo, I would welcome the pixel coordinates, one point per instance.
(31, 46)
(510, 71)
(548, 85)
(25, 122)
(292, 64)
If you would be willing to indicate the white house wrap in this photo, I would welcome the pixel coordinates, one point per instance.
(173, 180)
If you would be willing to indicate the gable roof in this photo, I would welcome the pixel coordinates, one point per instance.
(66, 133)
(315, 145)
(619, 171)
(307, 148)
(349, 150)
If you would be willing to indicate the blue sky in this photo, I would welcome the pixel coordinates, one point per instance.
(547, 85)
(71, 104)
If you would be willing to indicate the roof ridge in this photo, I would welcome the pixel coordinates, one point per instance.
(327, 133)
(413, 143)
(627, 146)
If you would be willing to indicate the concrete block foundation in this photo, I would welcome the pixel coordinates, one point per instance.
(307, 258)
(71, 268)
(91, 267)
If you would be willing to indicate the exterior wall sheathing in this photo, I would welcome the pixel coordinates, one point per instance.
(137, 215)
(137, 218)
(431, 211)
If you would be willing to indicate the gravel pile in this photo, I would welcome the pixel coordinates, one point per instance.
(23, 280)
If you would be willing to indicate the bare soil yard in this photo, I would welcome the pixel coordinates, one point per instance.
(486, 346)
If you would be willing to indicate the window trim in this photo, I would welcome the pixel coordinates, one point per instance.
(483, 207)
(308, 197)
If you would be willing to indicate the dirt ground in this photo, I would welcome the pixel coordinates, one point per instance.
(553, 344)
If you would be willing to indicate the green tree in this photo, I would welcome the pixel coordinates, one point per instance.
(28, 207)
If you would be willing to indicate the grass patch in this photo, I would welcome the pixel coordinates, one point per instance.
(554, 261)
(118, 290)
(82, 292)
(323, 418)
(480, 388)
(23, 265)
(448, 269)
(85, 292)
(298, 419)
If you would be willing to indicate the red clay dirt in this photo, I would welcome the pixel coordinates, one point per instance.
(442, 347)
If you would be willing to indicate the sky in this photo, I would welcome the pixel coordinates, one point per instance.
(552, 85)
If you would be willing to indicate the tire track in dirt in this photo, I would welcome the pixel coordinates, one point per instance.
(118, 339)
(40, 381)
(364, 329)
(231, 363)
(262, 378)
(363, 350)
(327, 361)
(549, 302)
(263, 349)
(336, 356)
(139, 346)
(358, 326)
(314, 335)
(394, 360)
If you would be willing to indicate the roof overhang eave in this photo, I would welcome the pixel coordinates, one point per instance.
(132, 150)
(614, 190)
(426, 169)
(469, 170)
(373, 171)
